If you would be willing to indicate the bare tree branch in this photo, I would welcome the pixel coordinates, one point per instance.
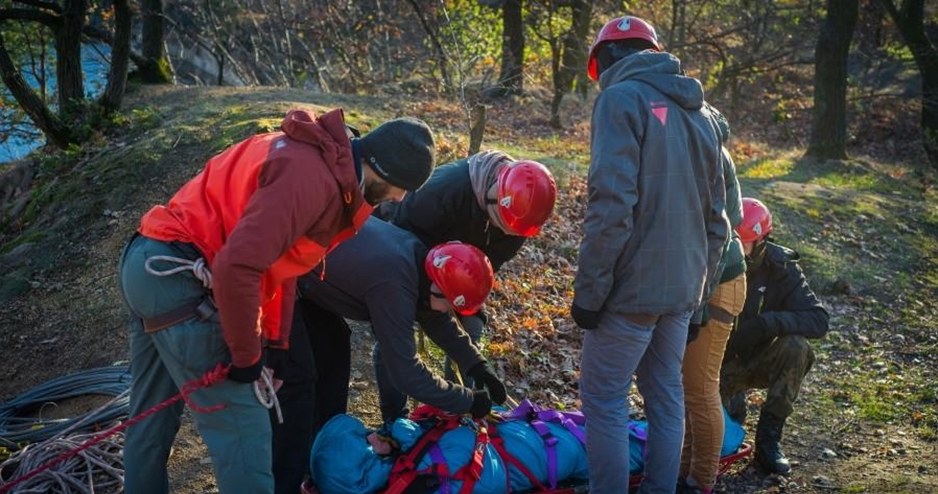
(42, 5)
(51, 20)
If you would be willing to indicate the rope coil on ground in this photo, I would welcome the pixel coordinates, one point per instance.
(94, 469)
(17, 428)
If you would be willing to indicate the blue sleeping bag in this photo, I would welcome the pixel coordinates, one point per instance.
(343, 462)
(733, 435)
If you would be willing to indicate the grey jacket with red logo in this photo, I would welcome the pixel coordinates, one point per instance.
(655, 224)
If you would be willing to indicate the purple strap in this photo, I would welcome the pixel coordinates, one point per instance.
(568, 420)
(437, 458)
(537, 417)
(551, 444)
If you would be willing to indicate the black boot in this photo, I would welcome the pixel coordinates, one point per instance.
(768, 453)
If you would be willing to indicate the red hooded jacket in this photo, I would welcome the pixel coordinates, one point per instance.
(263, 212)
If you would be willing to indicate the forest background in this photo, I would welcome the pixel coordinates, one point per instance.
(833, 106)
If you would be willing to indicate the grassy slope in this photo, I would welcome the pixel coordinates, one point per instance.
(866, 231)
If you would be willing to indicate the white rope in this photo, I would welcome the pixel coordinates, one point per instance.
(266, 393)
(198, 268)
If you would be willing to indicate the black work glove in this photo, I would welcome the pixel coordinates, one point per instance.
(247, 374)
(751, 337)
(486, 379)
(481, 404)
(586, 319)
(693, 331)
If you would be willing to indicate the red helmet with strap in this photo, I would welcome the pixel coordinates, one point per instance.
(626, 27)
(463, 273)
(526, 193)
(757, 221)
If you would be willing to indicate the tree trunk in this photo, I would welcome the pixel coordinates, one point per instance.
(156, 70)
(120, 54)
(911, 22)
(829, 129)
(511, 78)
(68, 70)
(45, 120)
(573, 59)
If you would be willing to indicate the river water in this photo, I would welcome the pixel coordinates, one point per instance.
(95, 59)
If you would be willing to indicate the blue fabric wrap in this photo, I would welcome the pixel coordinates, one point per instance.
(733, 436)
(342, 461)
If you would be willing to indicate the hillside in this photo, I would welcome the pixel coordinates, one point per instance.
(866, 228)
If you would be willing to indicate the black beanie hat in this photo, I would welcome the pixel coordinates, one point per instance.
(400, 151)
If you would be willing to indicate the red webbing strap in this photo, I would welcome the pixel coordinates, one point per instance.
(472, 471)
(499, 444)
(405, 467)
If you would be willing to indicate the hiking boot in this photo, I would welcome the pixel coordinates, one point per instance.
(768, 453)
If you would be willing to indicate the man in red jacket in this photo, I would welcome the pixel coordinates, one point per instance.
(235, 237)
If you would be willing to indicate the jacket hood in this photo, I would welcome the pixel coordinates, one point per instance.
(306, 127)
(660, 70)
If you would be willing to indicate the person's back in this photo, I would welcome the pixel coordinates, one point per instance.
(653, 235)
(660, 165)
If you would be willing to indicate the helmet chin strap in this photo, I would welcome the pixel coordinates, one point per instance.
(757, 256)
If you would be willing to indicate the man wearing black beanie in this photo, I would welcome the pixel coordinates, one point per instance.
(400, 152)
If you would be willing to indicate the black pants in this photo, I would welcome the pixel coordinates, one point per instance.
(315, 373)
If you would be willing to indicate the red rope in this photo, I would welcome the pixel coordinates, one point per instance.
(210, 378)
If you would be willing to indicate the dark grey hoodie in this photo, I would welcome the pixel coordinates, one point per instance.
(378, 276)
(655, 224)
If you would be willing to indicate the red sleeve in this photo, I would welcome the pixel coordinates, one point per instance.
(292, 195)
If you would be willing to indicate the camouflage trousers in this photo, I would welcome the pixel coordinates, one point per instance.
(780, 369)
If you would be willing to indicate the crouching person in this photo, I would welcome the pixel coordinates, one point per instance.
(769, 347)
(489, 200)
(385, 275)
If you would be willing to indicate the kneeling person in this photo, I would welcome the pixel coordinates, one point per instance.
(769, 347)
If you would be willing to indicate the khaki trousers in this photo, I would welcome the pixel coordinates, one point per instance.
(703, 437)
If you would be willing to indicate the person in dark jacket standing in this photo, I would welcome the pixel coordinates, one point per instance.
(235, 237)
(703, 436)
(769, 347)
(654, 232)
(489, 200)
(385, 275)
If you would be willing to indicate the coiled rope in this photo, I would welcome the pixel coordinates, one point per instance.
(52, 466)
(16, 427)
(198, 267)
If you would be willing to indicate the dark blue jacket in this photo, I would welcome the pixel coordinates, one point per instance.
(378, 276)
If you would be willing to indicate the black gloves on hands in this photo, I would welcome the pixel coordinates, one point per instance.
(586, 319)
(247, 374)
(481, 404)
(751, 337)
(486, 379)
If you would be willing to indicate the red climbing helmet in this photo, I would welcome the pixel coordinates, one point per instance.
(757, 221)
(526, 194)
(626, 27)
(463, 273)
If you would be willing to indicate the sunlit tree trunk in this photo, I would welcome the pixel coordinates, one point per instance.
(829, 129)
(68, 52)
(910, 19)
(572, 61)
(156, 69)
(511, 78)
(120, 54)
